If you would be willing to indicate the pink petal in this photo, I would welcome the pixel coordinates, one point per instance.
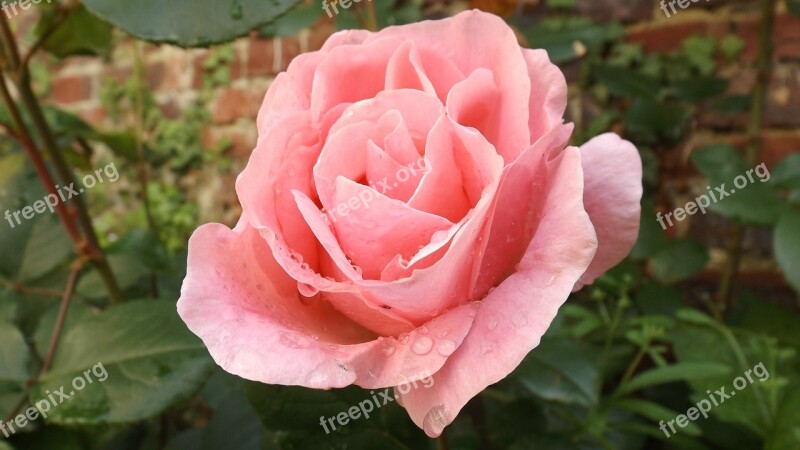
(612, 171)
(474, 40)
(239, 301)
(513, 317)
(548, 99)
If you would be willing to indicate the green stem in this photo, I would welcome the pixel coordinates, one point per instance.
(763, 74)
(28, 99)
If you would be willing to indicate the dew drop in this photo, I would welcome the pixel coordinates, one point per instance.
(446, 347)
(388, 350)
(403, 338)
(422, 345)
(422, 330)
(307, 290)
(519, 321)
(305, 266)
(236, 11)
(358, 270)
(435, 421)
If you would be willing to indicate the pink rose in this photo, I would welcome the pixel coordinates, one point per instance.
(411, 207)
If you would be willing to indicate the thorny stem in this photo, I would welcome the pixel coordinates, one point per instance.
(90, 246)
(55, 338)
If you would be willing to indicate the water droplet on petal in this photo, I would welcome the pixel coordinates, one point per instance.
(305, 266)
(446, 347)
(388, 350)
(519, 321)
(422, 345)
(403, 338)
(358, 270)
(307, 290)
(422, 330)
(435, 421)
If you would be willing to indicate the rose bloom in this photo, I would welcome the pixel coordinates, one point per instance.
(411, 207)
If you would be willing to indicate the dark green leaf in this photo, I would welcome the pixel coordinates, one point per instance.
(127, 269)
(787, 247)
(81, 33)
(651, 236)
(649, 116)
(627, 82)
(148, 358)
(676, 372)
(785, 434)
(189, 23)
(549, 374)
(679, 260)
(793, 6)
(700, 88)
(654, 412)
(299, 18)
(787, 172)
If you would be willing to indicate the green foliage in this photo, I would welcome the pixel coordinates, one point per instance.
(190, 23)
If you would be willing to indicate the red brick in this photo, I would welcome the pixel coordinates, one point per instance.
(664, 38)
(320, 33)
(71, 89)
(776, 145)
(624, 10)
(94, 116)
(232, 104)
(261, 55)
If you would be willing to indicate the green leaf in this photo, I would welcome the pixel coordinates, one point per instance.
(679, 260)
(566, 39)
(787, 172)
(670, 374)
(13, 355)
(649, 116)
(786, 246)
(81, 33)
(299, 18)
(793, 6)
(626, 82)
(294, 408)
(77, 313)
(655, 412)
(14, 361)
(547, 373)
(785, 433)
(39, 245)
(127, 269)
(189, 23)
(700, 88)
(753, 202)
(235, 413)
(141, 360)
(653, 298)
(731, 46)
(651, 236)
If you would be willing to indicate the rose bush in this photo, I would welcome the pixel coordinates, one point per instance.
(455, 270)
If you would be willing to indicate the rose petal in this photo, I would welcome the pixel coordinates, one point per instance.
(474, 40)
(513, 317)
(548, 99)
(612, 171)
(239, 301)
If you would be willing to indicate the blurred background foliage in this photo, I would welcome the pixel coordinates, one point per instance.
(704, 95)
